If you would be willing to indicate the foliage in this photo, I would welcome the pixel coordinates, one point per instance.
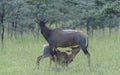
(19, 16)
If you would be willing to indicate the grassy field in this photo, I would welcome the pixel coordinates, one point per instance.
(18, 57)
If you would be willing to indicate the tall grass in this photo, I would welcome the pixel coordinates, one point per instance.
(18, 57)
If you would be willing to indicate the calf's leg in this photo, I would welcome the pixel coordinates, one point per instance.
(38, 60)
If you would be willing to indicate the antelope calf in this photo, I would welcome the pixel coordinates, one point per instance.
(62, 58)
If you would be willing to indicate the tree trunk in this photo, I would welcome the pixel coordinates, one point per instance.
(12, 29)
(88, 27)
(2, 35)
(15, 32)
(2, 26)
(110, 30)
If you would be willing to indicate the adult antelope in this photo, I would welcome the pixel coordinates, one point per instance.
(64, 38)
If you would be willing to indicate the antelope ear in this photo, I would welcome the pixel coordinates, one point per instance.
(39, 18)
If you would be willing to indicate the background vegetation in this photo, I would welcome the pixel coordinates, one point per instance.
(21, 41)
(18, 16)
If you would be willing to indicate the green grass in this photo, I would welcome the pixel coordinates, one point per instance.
(18, 57)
